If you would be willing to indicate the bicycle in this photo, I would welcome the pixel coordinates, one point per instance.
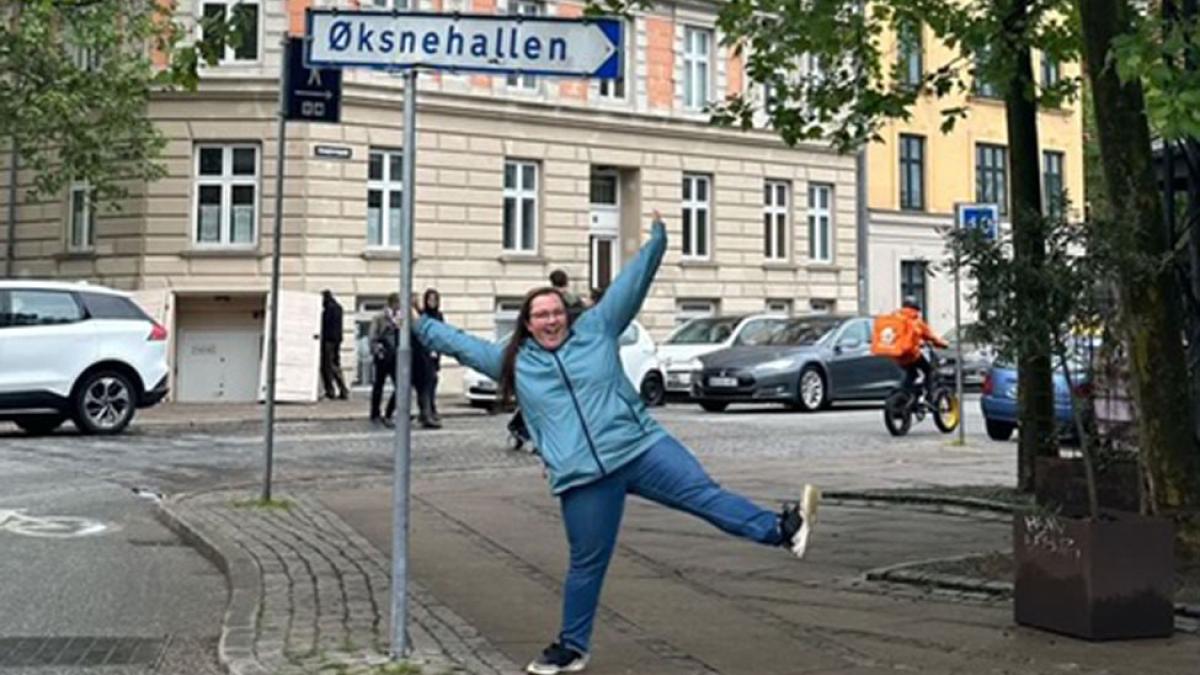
(902, 405)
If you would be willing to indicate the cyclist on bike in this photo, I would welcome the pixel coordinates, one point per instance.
(914, 361)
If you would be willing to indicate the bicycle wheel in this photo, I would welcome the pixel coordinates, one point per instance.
(897, 416)
(946, 410)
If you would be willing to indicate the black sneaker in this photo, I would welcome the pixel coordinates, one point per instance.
(557, 659)
(797, 520)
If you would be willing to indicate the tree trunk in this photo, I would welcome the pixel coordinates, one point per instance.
(1150, 297)
(1034, 382)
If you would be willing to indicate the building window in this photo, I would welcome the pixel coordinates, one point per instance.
(912, 282)
(776, 206)
(820, 222)
(779, 306)
(226, 210)
(1050, 71)
(697, 206)
(81, 227)
(520, 206)
(697, 48)
(366, 308)
(910, 51)
(991, 175)
(387, 4)
(246, 15)
(385, 194)
(912, 172)
(507, 311)
(822, 306)
(1054, 194)
(984, 87)
(524, 8)
(686, 310)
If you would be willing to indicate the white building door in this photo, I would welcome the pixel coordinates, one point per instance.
(298, 354)
(604, 232)
(217, 366)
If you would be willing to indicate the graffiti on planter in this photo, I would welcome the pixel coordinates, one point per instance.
(1047, 533)
(51, 527)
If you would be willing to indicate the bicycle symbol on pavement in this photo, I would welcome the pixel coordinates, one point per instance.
(52, 527)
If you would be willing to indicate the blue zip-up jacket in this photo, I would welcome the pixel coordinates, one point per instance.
(585, 417)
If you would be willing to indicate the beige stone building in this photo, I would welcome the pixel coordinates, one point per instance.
(515, 177)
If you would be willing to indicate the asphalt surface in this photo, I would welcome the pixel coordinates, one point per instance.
(136, 581)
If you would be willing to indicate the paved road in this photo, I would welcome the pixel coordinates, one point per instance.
(135, 580)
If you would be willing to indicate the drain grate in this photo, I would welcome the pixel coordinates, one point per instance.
(80, 651)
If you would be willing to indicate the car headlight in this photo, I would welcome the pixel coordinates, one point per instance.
(776, 365)
(690, 365)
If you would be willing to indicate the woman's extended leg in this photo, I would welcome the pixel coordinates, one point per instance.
(669, 474)
(592, 515)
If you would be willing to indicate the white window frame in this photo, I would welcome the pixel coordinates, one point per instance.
(820, 223)
(519, 192)
(81, 190)
(697, 67)
(505, 316)
(227, 181)
(777, 219)
(822, 306)
(230, 55)
(687, 309)
(690, 204)
(366, 308)
(779, 306)
(386, 185)
(386, 4)
(528, 83)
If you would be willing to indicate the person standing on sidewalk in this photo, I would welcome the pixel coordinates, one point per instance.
(431, 306)
(599, 443)
(384, 336)
(331, 347)
(421, 375)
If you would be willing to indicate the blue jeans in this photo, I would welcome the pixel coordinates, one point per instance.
(667, 473)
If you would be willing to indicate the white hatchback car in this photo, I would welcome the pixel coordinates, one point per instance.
(77, 351)
(680, 353)
(637, 357)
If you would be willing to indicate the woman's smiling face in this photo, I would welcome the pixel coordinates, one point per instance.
(548, 320)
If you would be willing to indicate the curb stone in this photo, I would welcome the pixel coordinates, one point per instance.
(258, 641)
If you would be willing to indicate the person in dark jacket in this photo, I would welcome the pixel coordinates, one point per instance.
(331, 347)
(424, 377)
(383, 336)
(598, 442)
(431, 306)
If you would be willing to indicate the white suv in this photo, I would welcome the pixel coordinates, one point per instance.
(77, 351)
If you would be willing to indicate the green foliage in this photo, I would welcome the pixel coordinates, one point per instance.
(76, 79)
(1165, 56)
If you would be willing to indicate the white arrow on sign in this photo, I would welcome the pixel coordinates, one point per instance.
(502, 44)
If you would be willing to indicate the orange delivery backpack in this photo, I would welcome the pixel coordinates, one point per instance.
(894, 336)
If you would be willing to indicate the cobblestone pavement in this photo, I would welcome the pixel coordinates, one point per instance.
(323, 586)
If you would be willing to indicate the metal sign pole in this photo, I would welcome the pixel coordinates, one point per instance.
(400, 485)
(10, 254)
(276, 253)
(958, 332)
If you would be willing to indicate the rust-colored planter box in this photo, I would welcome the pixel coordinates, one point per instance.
(1106, 579)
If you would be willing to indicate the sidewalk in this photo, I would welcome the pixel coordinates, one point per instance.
(488, 555)
(171, 414)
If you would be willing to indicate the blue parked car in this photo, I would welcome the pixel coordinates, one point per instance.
(999, 400)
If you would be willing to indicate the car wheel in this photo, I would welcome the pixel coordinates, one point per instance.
(999, 431)
(653, 391)
(103, 402)
(714, 406)
(813, 394)
(39, 425)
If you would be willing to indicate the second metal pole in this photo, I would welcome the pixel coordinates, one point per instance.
(273, 298)
(400, 480)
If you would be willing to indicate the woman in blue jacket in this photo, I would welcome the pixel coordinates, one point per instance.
(598, 442)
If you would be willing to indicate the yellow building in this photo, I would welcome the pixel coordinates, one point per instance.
(916, 174)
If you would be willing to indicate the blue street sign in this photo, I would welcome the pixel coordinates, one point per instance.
(510, 44)
(985, 217)
(313, 94)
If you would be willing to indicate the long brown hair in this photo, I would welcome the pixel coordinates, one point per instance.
(508, 367)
